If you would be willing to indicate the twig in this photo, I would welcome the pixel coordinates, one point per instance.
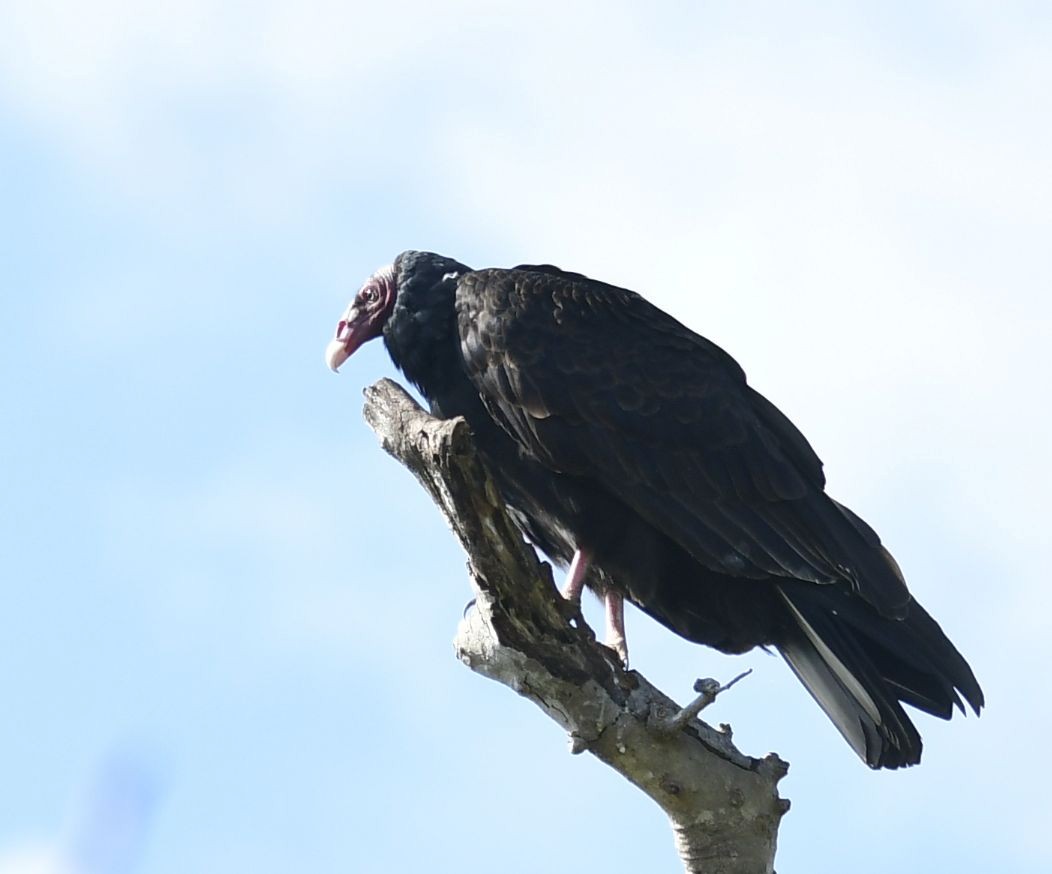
(709, 689)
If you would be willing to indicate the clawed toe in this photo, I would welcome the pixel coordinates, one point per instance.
(620, 646)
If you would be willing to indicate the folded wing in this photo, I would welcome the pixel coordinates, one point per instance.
(593, 380)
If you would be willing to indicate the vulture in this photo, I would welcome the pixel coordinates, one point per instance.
(632, 451)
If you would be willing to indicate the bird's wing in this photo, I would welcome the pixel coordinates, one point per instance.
(593, 380)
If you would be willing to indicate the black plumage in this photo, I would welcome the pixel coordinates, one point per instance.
(609, 426)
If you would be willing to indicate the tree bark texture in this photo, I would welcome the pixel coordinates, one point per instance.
(723, 805)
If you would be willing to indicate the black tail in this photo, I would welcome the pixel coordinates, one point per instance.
(859, 666)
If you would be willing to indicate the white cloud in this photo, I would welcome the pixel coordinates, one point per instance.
(182, 106)
(34, 859)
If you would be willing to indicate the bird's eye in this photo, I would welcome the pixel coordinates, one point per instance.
(370, 295)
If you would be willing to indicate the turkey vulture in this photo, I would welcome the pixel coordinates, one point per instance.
(633, 450)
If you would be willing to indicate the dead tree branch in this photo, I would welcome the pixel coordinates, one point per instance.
(723, 805)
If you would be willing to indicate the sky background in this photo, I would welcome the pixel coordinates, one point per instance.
(226, 640)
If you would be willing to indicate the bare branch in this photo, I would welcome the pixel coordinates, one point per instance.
(723, 805)
(709, 689)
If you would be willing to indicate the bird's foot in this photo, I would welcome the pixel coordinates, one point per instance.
(620, 647)
(570, 603)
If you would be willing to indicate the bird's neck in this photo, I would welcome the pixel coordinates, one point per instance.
(422, 340)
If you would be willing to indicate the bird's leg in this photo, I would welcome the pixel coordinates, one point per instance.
(614, 601)
(574, 584)
(615, 625)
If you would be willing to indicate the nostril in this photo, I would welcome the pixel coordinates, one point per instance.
(340, 328)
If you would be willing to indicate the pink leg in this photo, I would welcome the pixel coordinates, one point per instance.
(574, 584)
(615, 625)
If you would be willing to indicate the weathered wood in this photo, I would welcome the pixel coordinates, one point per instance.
(723, 805)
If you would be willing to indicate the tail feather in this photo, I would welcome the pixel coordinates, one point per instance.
(859, 666)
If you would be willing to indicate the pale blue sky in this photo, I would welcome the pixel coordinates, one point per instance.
(229, 616)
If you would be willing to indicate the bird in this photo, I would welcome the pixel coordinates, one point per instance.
(633, 452)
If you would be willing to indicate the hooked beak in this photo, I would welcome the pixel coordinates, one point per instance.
(351, 332)
(335, 354)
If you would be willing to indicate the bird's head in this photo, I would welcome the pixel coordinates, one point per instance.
(401, 301)
(365, 317)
